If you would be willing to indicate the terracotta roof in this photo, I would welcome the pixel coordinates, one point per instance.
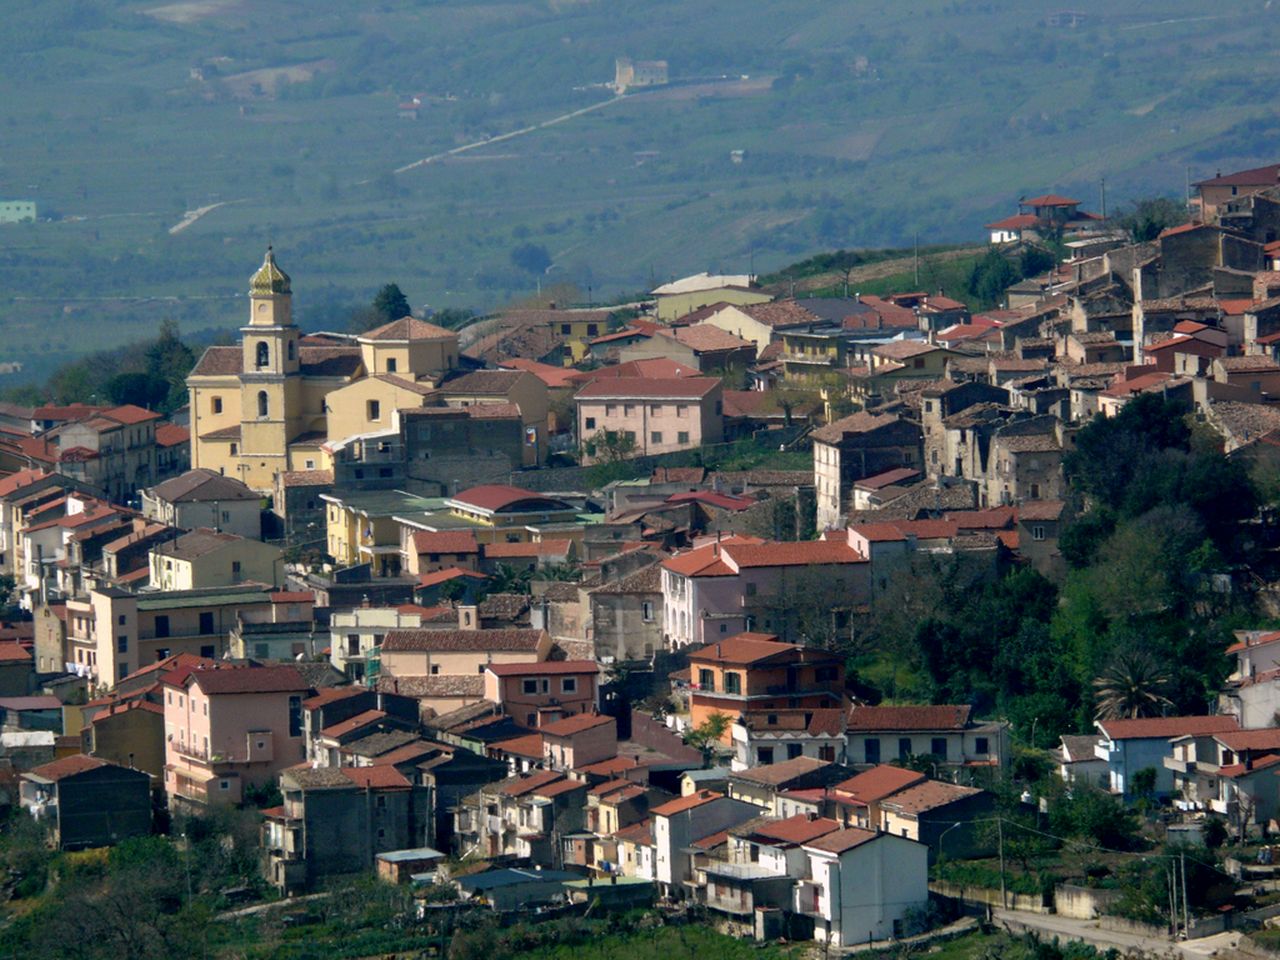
(21, 480)
(1236, 770)
(1049, 200)
(793, 830)
(219, 362)
(776, 774)
(437, 685)
(576, 724)
(545, 668)
(558, 787)
(860, 422)
(645, 581)
(69, 767)
(235, 680)
(1239, 740)
(1166, 728)
(331, 695)
(450, 573)
(541, 548)
(888, 478)
(928, 796)
(518, 786)
(838, 841)
(679, 805)
(329, 361)
(202, 485)
(306, 478)
(779, 313)
(407, 328)
(722, 500)
(707, 338)
(743, 648)
(11, 652)
(1256, 177)
(1019, 221)
(648, 388)
(819, 722)
(877, 783)
(171, 435)
(495, 496)
(445, 541)
(552, 376)
(530, 745)
(511, 639)
(377, 777)
(351, 724)
(488, 382)
(909, 718)
(1041, 510)
(641, 832)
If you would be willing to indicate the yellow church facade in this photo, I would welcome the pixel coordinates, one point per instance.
(267, 405)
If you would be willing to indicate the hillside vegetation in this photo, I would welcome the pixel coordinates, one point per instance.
(862, 125)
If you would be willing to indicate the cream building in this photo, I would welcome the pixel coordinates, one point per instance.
(207, 558)
(264, 407)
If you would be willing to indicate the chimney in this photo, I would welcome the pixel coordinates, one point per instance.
(717, 649)
(468, 617)
(364, 601)
(811, 816)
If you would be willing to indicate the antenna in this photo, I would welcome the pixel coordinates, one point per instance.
(1103, 188)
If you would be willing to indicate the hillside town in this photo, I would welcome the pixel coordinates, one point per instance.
(595, 605)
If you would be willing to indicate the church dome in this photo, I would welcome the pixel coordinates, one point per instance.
(269, 279)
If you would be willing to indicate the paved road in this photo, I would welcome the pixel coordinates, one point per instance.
(1089, 932)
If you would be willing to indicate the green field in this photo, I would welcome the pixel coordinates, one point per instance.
(864, 124)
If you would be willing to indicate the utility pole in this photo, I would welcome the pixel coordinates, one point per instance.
(1173, 901)
(915, 256)
(1004, 902)
(1186, 914)
(1103, 188)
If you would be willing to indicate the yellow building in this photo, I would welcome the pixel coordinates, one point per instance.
(368, 405)
(263, 407)
(680, 297)
(360, 526)
(207, 558)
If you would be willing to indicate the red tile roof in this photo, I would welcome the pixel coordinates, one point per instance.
(779, 774)
(509, 639)
(353, 723)
(1236, 770)
(877, 783)
(558, 787)
(929, 795)
(545, 668)
(1166, 728)
(794, 830)
(743, 648)
(909, 718)
(1019, 221)
(1238, 740)
(377, 777)
(542, 548)
(529, 745)
(495, 496)
(14, 653)
(1050, 200)
(576, 724)
(292, 596)
(171, 435)
(408, 328)
(331, 695)
(445, 541)
(523, 785)
(838, 841)
(648, 388)
(1257, 177)
(449, 573)
(236, 680)
(679, 805)
(69, 767)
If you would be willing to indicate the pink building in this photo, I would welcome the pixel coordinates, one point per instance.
(537, 694)
(741, 584)
(580, 741)
(653, 415)
(229, 728)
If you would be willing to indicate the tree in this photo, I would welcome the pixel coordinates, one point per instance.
(139, 389)
(706, 735)
(1146, 219)
(531, 258)
(391, 304)
(991, 277)
(1133, 685)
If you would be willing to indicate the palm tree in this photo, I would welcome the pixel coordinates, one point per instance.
(1133, 685)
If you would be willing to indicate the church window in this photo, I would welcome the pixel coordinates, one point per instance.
(391, 364)
(290, 349)
(264, 354)
(217, 404)
(262, 403)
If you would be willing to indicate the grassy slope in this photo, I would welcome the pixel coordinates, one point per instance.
(968, 107)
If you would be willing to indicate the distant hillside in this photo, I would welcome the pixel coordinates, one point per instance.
(171, 141)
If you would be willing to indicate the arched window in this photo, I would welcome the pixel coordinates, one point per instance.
(264, 354)
(262, 403)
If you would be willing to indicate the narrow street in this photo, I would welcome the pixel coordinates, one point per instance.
(1088, 931)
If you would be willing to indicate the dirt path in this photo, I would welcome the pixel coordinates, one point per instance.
(437, 157)
(193, 215)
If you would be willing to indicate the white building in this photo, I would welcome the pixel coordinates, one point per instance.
(356, 634)
(862, 885)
